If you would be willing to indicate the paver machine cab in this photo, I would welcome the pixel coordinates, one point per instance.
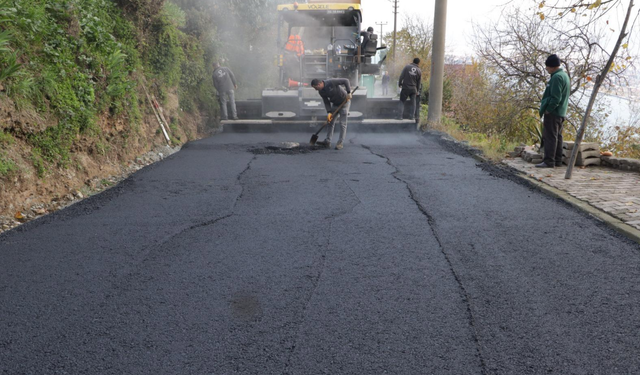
(319, 40)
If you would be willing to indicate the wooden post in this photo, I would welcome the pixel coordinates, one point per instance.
(164, 131)
(160, 111)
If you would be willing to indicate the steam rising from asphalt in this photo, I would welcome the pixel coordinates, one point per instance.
(250, 51)
(248, 46)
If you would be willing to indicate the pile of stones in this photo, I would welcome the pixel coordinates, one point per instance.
(527, 153)
(589, 154)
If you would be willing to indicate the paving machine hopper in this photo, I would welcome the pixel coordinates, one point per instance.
(320, 40)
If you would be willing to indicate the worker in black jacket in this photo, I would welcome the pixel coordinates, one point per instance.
(225, 82)
(333, 94)
(366, 36)
(410, 81)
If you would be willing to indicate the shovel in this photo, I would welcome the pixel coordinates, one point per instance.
(314, 138)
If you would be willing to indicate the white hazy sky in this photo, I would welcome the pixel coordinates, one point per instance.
(460, 15)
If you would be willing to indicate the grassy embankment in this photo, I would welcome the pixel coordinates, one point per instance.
(492, 147)
(71, 73)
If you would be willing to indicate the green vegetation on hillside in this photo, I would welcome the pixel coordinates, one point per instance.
(80, 63)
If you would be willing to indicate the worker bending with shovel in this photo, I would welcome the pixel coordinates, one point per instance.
(334, 96)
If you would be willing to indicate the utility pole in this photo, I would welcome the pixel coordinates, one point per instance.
(437, 63)
(395, 23)
(381, 24)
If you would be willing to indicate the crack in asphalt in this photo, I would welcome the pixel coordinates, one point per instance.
(316, 281)
(233, 207)
(145, 253)
(127, 274)
(355, 195)
(350, 210)
(432, 225)
(167, 239)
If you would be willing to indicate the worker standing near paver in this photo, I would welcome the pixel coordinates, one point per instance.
(385, 83)
(225, 82)
(553, 107)
(333, 94)
(409, 81)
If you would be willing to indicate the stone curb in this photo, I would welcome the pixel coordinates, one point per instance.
(612, 222)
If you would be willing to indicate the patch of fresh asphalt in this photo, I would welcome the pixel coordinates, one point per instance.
(399, 254)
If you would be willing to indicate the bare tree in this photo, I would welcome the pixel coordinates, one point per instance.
(578, 31)
(415, 37)
(413, 40)
(517, 45)
(595, 13)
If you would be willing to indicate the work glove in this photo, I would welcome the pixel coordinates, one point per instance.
(329, 117)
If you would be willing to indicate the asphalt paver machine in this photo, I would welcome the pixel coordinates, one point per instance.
(319, 40)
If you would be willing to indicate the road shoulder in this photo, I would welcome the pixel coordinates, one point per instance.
(604, 194)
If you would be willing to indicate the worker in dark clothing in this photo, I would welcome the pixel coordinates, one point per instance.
(366, 35)
(225, 82)
(416, 114)
(410, 80)
(333, 95)
(385, 83)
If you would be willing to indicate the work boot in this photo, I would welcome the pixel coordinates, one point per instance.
(339, 146)
(544, 165)
(236, 118)
(558, 164)
(325, 144)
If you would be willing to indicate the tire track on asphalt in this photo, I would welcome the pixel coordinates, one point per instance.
(432, 225)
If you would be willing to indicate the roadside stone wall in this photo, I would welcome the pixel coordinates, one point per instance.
(623, 164)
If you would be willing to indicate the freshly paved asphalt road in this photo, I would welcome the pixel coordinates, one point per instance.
(395, 255)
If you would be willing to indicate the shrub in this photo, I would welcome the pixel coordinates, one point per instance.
(7, 166)
(6, 138)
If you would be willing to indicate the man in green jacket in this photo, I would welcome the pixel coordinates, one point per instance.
(554, 109)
